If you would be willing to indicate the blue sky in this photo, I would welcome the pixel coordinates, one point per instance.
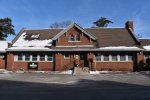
(41, 13)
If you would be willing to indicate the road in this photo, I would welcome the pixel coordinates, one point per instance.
(39, 86)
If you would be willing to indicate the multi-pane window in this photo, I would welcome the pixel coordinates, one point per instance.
(27, 57)
(49, 57)
(130, 58)
(42, 57)
(74, 37)
(77, 37)
(114, 57)
(122, 57)
(106, 57)
(98, 56)
(20, 57)
(34, 57)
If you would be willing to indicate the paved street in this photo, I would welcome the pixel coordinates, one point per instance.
(39, 86)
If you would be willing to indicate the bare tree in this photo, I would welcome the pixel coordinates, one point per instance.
(60, 24)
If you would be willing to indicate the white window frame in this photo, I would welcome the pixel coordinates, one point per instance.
(51, 57)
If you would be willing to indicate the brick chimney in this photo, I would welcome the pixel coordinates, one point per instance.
(129, 25)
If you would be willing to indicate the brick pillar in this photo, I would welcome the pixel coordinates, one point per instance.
(140, 61)
(92, 63)
(10, 61)
(58, 62)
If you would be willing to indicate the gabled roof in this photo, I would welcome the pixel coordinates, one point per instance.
(113, 37)
(77, 26)
(145, 41)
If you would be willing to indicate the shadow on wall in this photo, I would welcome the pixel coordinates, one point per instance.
(82, 90)
(144, 66)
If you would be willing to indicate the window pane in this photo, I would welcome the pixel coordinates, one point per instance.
(20, 58)
(78, 37)
(50, 57)
(34, 57)
(130, 58)
(114, 58)
(42, 57)
(71, 38)
(106, 57)
(27, 57)
(98, 57)
(122, 58)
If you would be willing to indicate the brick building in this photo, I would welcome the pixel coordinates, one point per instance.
(113, 49)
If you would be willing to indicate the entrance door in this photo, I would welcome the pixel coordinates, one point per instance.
(83, 60)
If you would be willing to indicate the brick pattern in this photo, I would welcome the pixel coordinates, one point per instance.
(84, 40)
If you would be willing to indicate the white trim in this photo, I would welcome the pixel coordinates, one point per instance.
(74, 41)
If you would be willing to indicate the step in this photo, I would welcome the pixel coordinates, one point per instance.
(81, 71)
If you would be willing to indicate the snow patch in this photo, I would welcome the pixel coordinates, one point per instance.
(21, 42)
(119, 48)
(35, 36)
(147, 47)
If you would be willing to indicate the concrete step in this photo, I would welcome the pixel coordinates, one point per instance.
(81, 71)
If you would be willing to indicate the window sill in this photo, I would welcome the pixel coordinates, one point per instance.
(113, 61)
(74, 41)
(33, 61)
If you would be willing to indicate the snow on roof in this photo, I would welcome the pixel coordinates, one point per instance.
(21, 42)
(147, 48)
(3, 46)
(122, 48)
(28, 49)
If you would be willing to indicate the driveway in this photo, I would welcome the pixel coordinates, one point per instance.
(42, 86)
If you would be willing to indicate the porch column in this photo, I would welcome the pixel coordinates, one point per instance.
(91, 61)
(58, 61)
(140, 61)
(9, 61)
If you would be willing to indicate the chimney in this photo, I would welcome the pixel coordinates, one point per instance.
(129, 25)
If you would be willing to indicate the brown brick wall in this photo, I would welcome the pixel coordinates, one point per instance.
(20, 65)
(63, 40)
(113, 66)
(2, 63)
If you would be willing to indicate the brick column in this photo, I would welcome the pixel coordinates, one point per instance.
(140, 61)
(58, 62)
(92, 64)
(10, 61)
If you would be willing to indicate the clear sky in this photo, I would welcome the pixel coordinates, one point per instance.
(41, 13)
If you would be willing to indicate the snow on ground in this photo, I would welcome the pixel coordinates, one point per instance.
(119, 48)
(21, 42)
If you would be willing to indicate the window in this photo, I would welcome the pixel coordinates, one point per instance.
(66, 56)
(98, 56)
(74, 37)
(130, 58)
(42, 57)
(20, 57)
(114, 58)
(77, 37)
(122, 58)
(27, 57)
(106, 57)
(49, 57)
(34, 57)
(71, 38)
